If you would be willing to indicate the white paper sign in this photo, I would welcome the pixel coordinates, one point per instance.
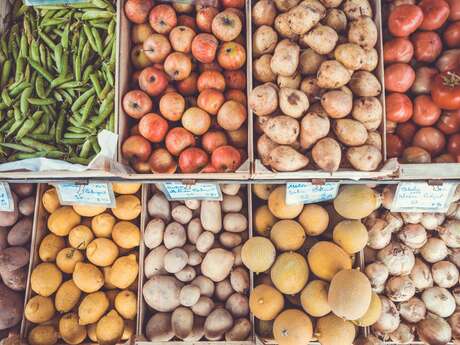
(421, 197)
(6, 200)
(198, 191)
(96, 194)
(308, 193)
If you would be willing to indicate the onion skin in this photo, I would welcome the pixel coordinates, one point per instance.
(377, 274)
(413, 236)
(434, 250)
(454, 322)
(450, 233)
(421, 275)
(434, 330)
(445, 274)
(398, 258)
(389, 318)
(412, 310)
(369, 340)
(388, 195)
(439, 301)
(400, 289)
(403, 335)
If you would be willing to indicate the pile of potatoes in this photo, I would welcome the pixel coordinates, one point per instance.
(196, 285)
(15, 236)
(85, 285)
(317, 94)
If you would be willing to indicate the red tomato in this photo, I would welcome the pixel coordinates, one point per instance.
(427, 46)
(435, 13)
(399, 77)
(445, 90)
(426, 112)
(453, 145)
(399, 107)
(449, 122)
(406, 132)
(398, 50)
(454, 9)
(395, 146)
(404, 20)
(452, 35)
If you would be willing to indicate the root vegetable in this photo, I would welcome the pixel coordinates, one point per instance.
(439, 301)
(310, 61)
(365, 84)
(337, 103)
(217, 323)
(368, 111)
(182, 322)
(162, 293)
(357, 8)
(434, 330)
(377, 274)
(365, 157)
(327, 154)
(262, 70)
(304, 17)
(333, 75)
(158, 207)
(293, 102)
(398, 258)
(238, 305)
(309, 86)
(203, 307)
(412, 310)
(194, 230)
(175, 260)
(434, 250)
(240, 330)
(322, 39)
(400, 289)
(411, 218)
(351, 55)
(205, 241)
(313, 127)
(239, 280)
(350, 132)
(389, 318)
(154, 262)
(454, 322)
(404, 334)
(264, 12)
(282, 129)
(432, 220)
(224, 290)
(187, 274)
(363, 32)
(413, 236)
(265, 146)
(211, 216)
(159, 327)
(217, 264)
(372, 60)
(174, 235)
(153, 235)
(421, 275)
(285, 59)
(285, 158)
(181, 214)
(450, 233)
(293, 81)
(264, 40)
(379, 234)
(232, 203)
(336, 19)
(445, 274)
(263, 99)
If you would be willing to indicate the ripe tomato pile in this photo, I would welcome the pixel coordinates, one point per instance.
(422, 81)
(188, 103)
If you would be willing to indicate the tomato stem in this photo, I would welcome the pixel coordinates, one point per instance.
(452, 79)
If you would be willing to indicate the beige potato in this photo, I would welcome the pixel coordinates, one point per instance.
(337, 103)
(264, 12)
(265, 146)
(240, 330)
(230, 239)
(154, 231)
(182, 322)
(174, 235)
(158, 207)
(310, 61)
(187, 274)
(203, 307)
(304, 17)
(205, 284)
(159, 327)
(282, 129)
(285, 158)
(262, 70)
(230, 188)
(365, 84)
(374, 139)
(350, 132)
(293, 102)
(239, 279)
(205, 242)
(175, 260)
(162, 293)
(264, 40)
(238, 305)
(263, 99)
(292, 81)
(181, 214)
(224, 290)
(194, 258)
(235, 222)
(237, 253)
(283, 27)
(154, 262)
(364, 158)
(197, 330)
(285, 59)
(192, 204)
(211, 216)
(371, 60)
(333, 75)
(327, 154)
(217, 264)
(217, 323)
(189, 295)
(351, 55)
(285, 5)
(336, 19)
(331, 3)
(368, 111)
(310, 87)
(363, 32)
(322, 39)
(357, 8)
(313, 127)
(232, 203)
(194, 229)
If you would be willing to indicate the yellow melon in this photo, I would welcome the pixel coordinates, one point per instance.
(279, 208)
(263, 220)
(332, 330)
(350, 235)
(287, 235)
(372, 314)
(350, 294)
(289, 273)
(292, 327)
(64, 219)
(314, 298)
(88, 211)
(125, 188)
(356, 201)
(314, 219)
(326, 259)
(50, 200)
(265, 302)
(258, 254)
(262, 191)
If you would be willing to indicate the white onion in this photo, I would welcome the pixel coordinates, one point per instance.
(454, 322)
(432, 220)
(403, 335)
(456, 294)
(370, 255)
(445, 274)
(377, 274)
(413, 236)
(379, 235)
(412, 310)
(421, 275)
(454, 211)
(399, 289)
(389, 318)
(434, 330)
(439, 301)
(394, 220)
(434, 250)
(398, 258)
(411, 218)
(450, 233)
(454, 257)
(388, 195)
(369, 340)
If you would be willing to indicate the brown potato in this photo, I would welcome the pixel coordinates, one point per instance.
(293, 102)
(263, 99)
(351, 55)
(336, 19)
(282, 26)
(350, 132)
(371, 61)
(374, 139)
(286, 158)
(285, 59)
(159, 327)
(310, 61)
(368, 111)
(333, 75)
(364, 158)
(337, 103)
(239, 279)
(264, 12)
(264, 40)
(331, 3)
(363, 32)
(305, 16)
(312, 128)
(365, 84)
(262, 70)
(357, 8)
(20, 233)
(282, 129)
(217, 323)
(310, 87)
(322, 39)
(240, 330)
(237, 304)
(182, 322)
(293, 81)
(264, 148)
(229, 239)
(285, 5)
(203, 307)
(327, 154)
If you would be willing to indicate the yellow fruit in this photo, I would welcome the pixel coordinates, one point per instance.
(102, 252)
(258, 254)
(107, 282)
(125, 188)
(326, 259)
(126, 235)
(126, 304)
(87, 277)
(124, 271)
(350, 235)
(43, 335)
(45, 279)
(128, 330)
(287, 235)
(262, 191)
(110, 328)
(263, 220)
(289, 273)
(128, 207)
(102, 225)
(67, 258)
(278, 207)
(50, 246)
(92, 307)
(350, 294)
(67, 297)
(372, 314)
(39, 309)
(69, 329)
(80, 237)
(356, 201)
(292, 327)
(314, 219)
(64, 219)
(314, 298)
(88, 211)
(92, 332)
(50, 200)
(265, 302)
(332, 330)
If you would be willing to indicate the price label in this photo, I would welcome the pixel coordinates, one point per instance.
(95, 194)
(421, 197)
(6, 200)
(53, 2)
(198, 191)
(308, 193)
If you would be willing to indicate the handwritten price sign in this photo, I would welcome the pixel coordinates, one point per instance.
(96, 194)
(308, 193)
(6, 200)
(198, 191)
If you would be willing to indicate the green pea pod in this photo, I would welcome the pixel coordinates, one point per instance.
(59, 81)
(41, 70)
(105, 91)
(87, 73)
(97, 40)
(85, 53)
(60, 126)
(43, 54)
(27, 73)
(47, 40)
(4, 45)
(39, 101)
(85, 149)
(79, 160)
(73, 129)
(96, 85)
(97, 14)
(87, 109)
(65, 37)
(3, 106)
(73, 141)
(18, 147)
(82, 99)
(58, 57)
(52, 22)
(104, 111)
(24, 104)
(108, 49)
(34, 51)
(24, 47)
(58, 96)
(111, 123)
(40, 87)
(103, 26)
(7, 125)
(40, 129)
(64, 64)
(38, 145)
(14, 49)
(27, 28)
(69, 135)
(55, 154)
(70, 85)
(20, 88)
(6, 70)
(66, 96)
(90, 37)
(95, 145)
(15, 127)
(111, 28)
(100, 4)
(29, 125)
(20, 65)
(6, 98)
(109, 76)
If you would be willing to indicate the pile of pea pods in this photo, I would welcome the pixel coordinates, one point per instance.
(57, 80)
